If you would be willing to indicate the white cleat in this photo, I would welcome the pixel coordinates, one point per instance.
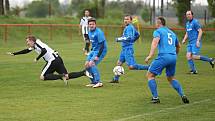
(88, 74)
(90, 85)
(99, 84)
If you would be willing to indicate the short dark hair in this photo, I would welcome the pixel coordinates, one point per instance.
(31, 37)
(162, 19)
(91, 20)
(190, 11)
(86, 10)
(129, 16)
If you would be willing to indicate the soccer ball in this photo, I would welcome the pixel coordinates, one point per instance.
(118, 70)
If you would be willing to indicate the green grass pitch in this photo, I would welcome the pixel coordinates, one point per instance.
(23, 97)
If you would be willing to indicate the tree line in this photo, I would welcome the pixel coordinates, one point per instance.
(98, 8)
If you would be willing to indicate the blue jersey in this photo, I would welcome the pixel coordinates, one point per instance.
(192, 30)
(97, 38)
(131, 35)
(168, 40)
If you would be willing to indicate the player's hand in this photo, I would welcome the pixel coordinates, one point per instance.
(197, 44)
(10, 53)
(86, 64)
(147, 59)
(96, 58)
(183, 41)
(35, 60)
(91, 63)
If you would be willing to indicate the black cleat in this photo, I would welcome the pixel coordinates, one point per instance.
(114, 81)
(184, 99)
(212, 62)
(193, 72)
(155, 100)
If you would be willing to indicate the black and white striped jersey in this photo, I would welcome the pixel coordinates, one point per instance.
(84, 24)
(44, 50)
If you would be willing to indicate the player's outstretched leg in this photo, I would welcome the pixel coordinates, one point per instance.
(140, 67)
(210, 60)
(73, 75)
(53, 76)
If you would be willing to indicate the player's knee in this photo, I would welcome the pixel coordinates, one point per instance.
(42, 78)
(189, 56)
(196, 57)
(150, 76)
(130, 67)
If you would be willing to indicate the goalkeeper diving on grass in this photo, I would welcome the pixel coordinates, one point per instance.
(130, 35)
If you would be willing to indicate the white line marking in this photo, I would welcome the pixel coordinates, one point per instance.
(163, 110)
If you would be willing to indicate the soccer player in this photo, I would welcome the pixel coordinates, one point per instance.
(168, 47)
(194, 34)
(53, 61)
(98, 52)
(130, 35)
(84, 30)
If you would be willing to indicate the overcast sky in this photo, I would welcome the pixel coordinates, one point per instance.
(14, 3)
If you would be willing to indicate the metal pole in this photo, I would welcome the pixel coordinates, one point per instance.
(153, 13)
(161, 7)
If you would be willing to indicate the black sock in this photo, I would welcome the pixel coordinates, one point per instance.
(53, 76)
(87, 46)
(76, 74)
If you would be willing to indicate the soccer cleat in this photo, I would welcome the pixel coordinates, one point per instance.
(193, 72)
(155, 100)
(184, 99)
(212, 62)
(114, 81)
(88, 74)
(99, 84)
(90, 85)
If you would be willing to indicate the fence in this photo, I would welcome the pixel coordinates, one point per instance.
(50, 31)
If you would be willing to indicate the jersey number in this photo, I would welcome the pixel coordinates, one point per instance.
(170, 38)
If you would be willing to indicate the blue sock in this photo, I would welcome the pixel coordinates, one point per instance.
(116, 77)
(176, 85)
(90, 71)
(95, 73)
(204, 58)
(140, 67)
(191, 64)
(153, 87)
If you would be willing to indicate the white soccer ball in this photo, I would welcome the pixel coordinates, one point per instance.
(118, 70)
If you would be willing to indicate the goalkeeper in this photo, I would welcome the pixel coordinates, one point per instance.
(130, 35)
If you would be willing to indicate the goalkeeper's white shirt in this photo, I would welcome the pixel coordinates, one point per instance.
(49, 56)
(84, 24)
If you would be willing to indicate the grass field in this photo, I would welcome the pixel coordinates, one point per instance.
(23, 97)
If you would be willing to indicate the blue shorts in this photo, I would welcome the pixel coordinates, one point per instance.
(93, 54)
(193, 49)
(127, 55)
(167, 61)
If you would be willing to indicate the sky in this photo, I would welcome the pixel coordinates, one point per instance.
(20, 3)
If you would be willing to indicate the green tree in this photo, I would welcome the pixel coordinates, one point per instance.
(1, 7)
(7, 6)
(211, 4)
(182, 6)
(37, 9)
